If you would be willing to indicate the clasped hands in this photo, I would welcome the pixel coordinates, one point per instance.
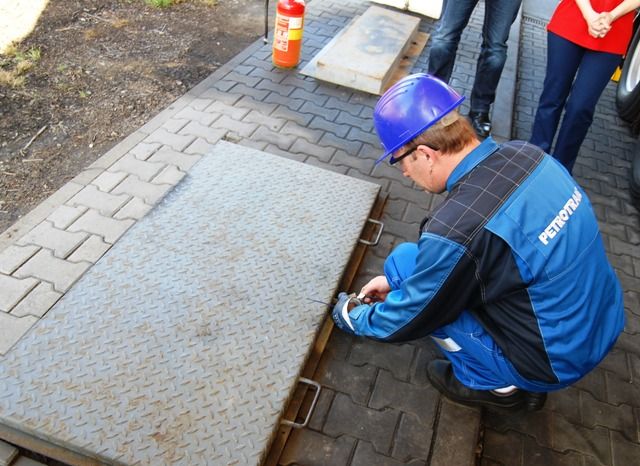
(599, 24)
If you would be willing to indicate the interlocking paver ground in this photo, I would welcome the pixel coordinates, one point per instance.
(597, 420)
(377, 406)
(7, 453)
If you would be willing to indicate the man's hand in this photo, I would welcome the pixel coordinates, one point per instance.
(376, 290)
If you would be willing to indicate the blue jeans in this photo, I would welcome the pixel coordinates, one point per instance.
(476, 359)
(499, 15)
(592, 71)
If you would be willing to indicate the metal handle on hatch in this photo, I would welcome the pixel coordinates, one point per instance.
(300, 425)
(377, 240)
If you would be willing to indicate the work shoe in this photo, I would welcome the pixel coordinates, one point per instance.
(440, 374)
(534, 401)
(481, 123)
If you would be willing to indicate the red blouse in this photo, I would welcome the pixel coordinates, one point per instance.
(568, 23)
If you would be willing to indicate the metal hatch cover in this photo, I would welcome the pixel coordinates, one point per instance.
(183, 343)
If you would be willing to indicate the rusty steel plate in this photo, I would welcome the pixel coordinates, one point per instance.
(184, 342)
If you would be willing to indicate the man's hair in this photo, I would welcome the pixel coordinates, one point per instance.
(449, 135)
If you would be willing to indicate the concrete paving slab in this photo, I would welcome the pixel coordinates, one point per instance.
(101, 201)
(14, 256)
(37, 302)
(150, 193)
(7, 453)
(93, 222)
(13, 289)
(430, 8)
(90, 251)
(59, 241)
(64, 215)
(45, 266)
(363, 56)
(458, 434)
(25, 461)
(12, 328)
(135, 209)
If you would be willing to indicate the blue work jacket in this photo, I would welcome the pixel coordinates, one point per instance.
(517, 244)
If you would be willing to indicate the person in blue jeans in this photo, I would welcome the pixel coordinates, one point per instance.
(509, 276)
(499, 15)
(585, 43)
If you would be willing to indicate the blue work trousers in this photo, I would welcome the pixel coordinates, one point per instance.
(498, 17)
(575, 76)
(477, 361)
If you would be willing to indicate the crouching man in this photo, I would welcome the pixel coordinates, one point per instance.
(509, 275)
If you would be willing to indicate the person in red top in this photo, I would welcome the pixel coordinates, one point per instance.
(586, 41)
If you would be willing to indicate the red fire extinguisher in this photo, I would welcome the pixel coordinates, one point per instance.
(287, 35)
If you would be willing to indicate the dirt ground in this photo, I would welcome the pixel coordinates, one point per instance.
(106, 68)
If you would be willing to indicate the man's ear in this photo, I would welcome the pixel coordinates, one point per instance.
(431, 154)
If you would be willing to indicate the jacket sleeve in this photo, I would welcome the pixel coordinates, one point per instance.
(443, 284)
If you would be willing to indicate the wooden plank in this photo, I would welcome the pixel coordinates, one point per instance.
(408, 60)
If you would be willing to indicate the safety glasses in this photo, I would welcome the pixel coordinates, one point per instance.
(408, 152)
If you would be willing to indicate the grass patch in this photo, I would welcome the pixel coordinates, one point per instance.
(159, 3)
(120, 23)
(90, 34)
(16, 63)
(9, 79)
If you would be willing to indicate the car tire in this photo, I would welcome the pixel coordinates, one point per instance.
(628, 93)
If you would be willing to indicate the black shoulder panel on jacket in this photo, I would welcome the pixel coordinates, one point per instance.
(480, 193)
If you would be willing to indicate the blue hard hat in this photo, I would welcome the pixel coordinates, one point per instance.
(409, 107)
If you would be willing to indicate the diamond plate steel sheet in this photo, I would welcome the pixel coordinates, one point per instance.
(183, 344)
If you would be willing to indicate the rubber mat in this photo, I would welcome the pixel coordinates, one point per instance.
(183, 344)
